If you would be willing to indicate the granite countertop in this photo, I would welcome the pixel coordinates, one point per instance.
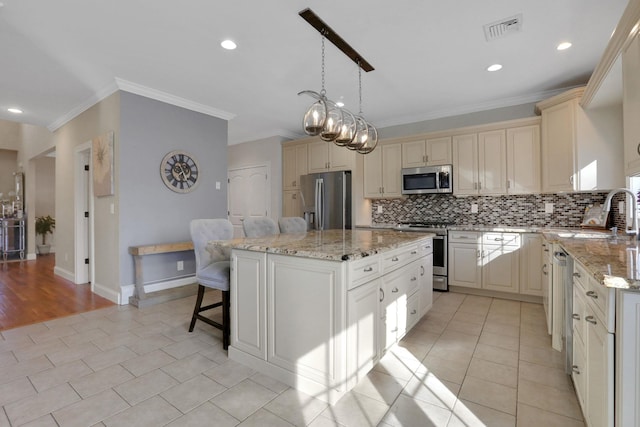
(612, 261)
(335, 245)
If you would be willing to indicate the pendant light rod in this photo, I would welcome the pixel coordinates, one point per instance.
(317, 23)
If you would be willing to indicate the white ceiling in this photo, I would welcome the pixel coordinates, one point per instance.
(59, 57)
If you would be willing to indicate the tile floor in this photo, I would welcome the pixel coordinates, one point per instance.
(472, 361)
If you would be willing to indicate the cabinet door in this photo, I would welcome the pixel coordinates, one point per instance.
(426, 283)
(341, 158)
(464, 265)
(414, 154)
(373, 174)
(600, 373)
(558, 135)
(631, 107)
(465, 164)
(391, 169)
(579, 371)
(523, 160)
(500, 268)
(439, 151)
(291, 203)
(318, 156)
(248, 300)
(492, 162)
(531, 265)
(363, 323)
(289, 171)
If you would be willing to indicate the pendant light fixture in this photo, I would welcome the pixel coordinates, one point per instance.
(325, 118)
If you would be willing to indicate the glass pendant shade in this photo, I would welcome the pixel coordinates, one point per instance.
(347, 129)
(360, 136)
(314, 118)
(369, 140)
(333, 123)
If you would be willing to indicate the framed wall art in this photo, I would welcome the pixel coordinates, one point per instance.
(102, 153)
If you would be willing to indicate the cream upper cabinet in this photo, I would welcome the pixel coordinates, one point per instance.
(582, 150)
(326, 156)
(430, 152)
(523, 160)
(631, 107)
(479, 163)
(465, 164)
(294, 164)
(382, 169)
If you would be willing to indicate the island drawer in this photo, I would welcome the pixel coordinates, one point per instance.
(602, 300)
(399, 257)
(464, 236)
(504, 239)
(363, 270)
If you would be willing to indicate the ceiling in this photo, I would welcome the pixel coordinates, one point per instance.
(430, 57)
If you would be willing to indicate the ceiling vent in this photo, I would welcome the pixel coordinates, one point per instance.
(503, 28)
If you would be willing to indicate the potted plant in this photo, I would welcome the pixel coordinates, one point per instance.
(44, 226)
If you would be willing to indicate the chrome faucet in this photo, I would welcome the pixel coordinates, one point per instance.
(634, 220)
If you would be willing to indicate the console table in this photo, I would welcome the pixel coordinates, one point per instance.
(12, 232)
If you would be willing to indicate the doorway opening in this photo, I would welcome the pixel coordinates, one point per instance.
(83, 216)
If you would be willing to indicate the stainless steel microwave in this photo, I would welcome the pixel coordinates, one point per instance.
(428, 179)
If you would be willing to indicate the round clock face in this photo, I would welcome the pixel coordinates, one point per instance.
(179, 171)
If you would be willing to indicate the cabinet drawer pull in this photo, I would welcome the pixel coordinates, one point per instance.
(575, 369)
(591, 319)
(592, 294)
(368, 269)
(381, 294)
(414, 311)
(414, 252)
(421, 270)
(413, 279)
(576, 316)
(499, 239)
(395, 259)
(394, 329)
(394, 290)
(576, 274)
(638, 149)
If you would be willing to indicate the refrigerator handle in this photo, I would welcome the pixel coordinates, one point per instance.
(320, 204)
(317, 202)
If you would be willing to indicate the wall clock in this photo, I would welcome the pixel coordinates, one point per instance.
(179, 171)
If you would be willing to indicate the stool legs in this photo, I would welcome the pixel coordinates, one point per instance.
(196, 309)
(226, 319)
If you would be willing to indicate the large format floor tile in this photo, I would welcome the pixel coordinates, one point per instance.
(471, 361)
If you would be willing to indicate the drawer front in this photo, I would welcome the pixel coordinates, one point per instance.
(602, 299)
(579, 324)
(464, 236)
(505, 239)
(399, 257)
(425, 247)
(580, 275)
(363, 270)
(414, 277)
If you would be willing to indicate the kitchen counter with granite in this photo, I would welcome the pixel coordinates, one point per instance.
(336, 245)
(612, 261)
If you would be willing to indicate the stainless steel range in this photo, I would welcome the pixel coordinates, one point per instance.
(440, 281)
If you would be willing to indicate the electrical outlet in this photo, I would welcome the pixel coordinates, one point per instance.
(474, 208)
(621, 211)
(548, 208)
(379, 208)
(217, 185)
(180, 265)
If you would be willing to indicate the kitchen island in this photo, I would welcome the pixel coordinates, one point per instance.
(317, 310)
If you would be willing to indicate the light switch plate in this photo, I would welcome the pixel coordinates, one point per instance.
(217, 185)
(548, 208)
(474, 208)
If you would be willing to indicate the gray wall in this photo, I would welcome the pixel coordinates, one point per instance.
(149, 212)
(471, 119)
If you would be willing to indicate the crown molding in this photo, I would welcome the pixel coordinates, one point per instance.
(168, 98)
(623, 35)
(103, 93)
(568, 95)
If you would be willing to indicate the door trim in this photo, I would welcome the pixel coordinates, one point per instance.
(81, 156)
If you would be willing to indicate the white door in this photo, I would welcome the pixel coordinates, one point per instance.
(83, 213)
(249, 195)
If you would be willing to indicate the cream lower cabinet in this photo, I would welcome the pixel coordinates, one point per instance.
(426, 277)
(316, 324)
(487, 261)
(627, 359)
(531, 264)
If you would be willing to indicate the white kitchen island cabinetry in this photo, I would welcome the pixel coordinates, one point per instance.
(315, 321)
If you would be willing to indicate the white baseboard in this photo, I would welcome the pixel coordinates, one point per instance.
(128, 290)
(64, 274)
(109, 294)
(31, 256)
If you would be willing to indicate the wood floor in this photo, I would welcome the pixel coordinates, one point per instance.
(31, 293)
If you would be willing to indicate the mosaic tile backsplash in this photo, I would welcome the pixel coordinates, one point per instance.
(510, 211)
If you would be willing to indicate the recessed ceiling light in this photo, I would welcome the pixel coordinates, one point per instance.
(564, 46)
(14, 110)
(340, 104)
(228, 44)
(494, 67)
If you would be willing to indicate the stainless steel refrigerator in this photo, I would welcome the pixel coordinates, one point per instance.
(326, 200)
